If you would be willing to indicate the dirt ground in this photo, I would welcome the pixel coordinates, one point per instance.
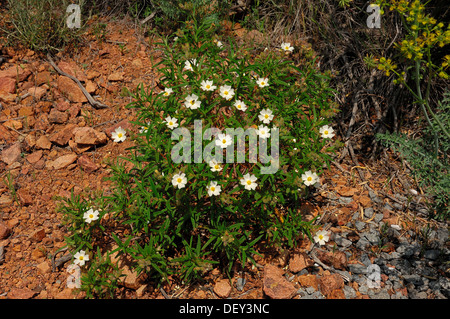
(41, 159)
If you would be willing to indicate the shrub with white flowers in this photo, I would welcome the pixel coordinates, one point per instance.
(184, 216)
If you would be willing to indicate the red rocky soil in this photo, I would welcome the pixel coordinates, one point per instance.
(52, 142)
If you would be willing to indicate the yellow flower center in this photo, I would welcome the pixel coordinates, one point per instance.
(216, 166)
(224, 141)
(192, 102)
(170, 123)
(208, 86)
(225, 92)
(213, 188)
(179, 180)
(309, 178)
(262, 83)
(320, 237)
(91, 216)
(81, 257)
(266, 116)
(119, 135)
(249, 182)
(325, 132)
(263, 132)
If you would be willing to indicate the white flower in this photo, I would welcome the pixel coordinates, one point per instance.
(175, 39)
(80, 258)
(327, 131)
(192, 102)
(208, 86)
(321, 237)
(143, 129)
(286, 46)
(179, 180)
(167, 91)
(218, 43)
(119, 135)
(223, 140)
(226, 92)
(90, 215)
(263, 131)
(249, 181)
(188, 64)
(215, 167)
(214, 189)
(310, 178)
(265, 116)
(240, 105)
(263, 82)
(171, 122)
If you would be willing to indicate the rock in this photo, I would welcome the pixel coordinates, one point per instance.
(328, 283)
(343, 242)
(5, 200)
(70, 89)
(15, 72)
(336, 259)
(20, 293)
(222, 288)
(336, 294)
(382, 294)
(7, 85)
(38, 92)
(414, 279)
(432, 254)
(26, 111)
(4, 231)
(299, 262)
(44, 77)
(62, 161)
(73, 70)
(349, 292)
(12, 154)
(362, 244)
(62, 105)
(118, 76)
(37, 235)
(308, 281)
(373, 237)
(275, 284)
(357, 268)
(58, 117)
(360, 225)
(43, 267)
(43, 143)
(62, 137)
(13, 124)
(24, 196)
(66, 293)
(34, 157)
(91, 87)
(89, 136)
(6, 136)
(86, 164)
(368, 212)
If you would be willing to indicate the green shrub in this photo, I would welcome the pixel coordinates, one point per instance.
(172, 223)
(432, 170)
(41, 25)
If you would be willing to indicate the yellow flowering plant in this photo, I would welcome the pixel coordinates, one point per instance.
(424, 35)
